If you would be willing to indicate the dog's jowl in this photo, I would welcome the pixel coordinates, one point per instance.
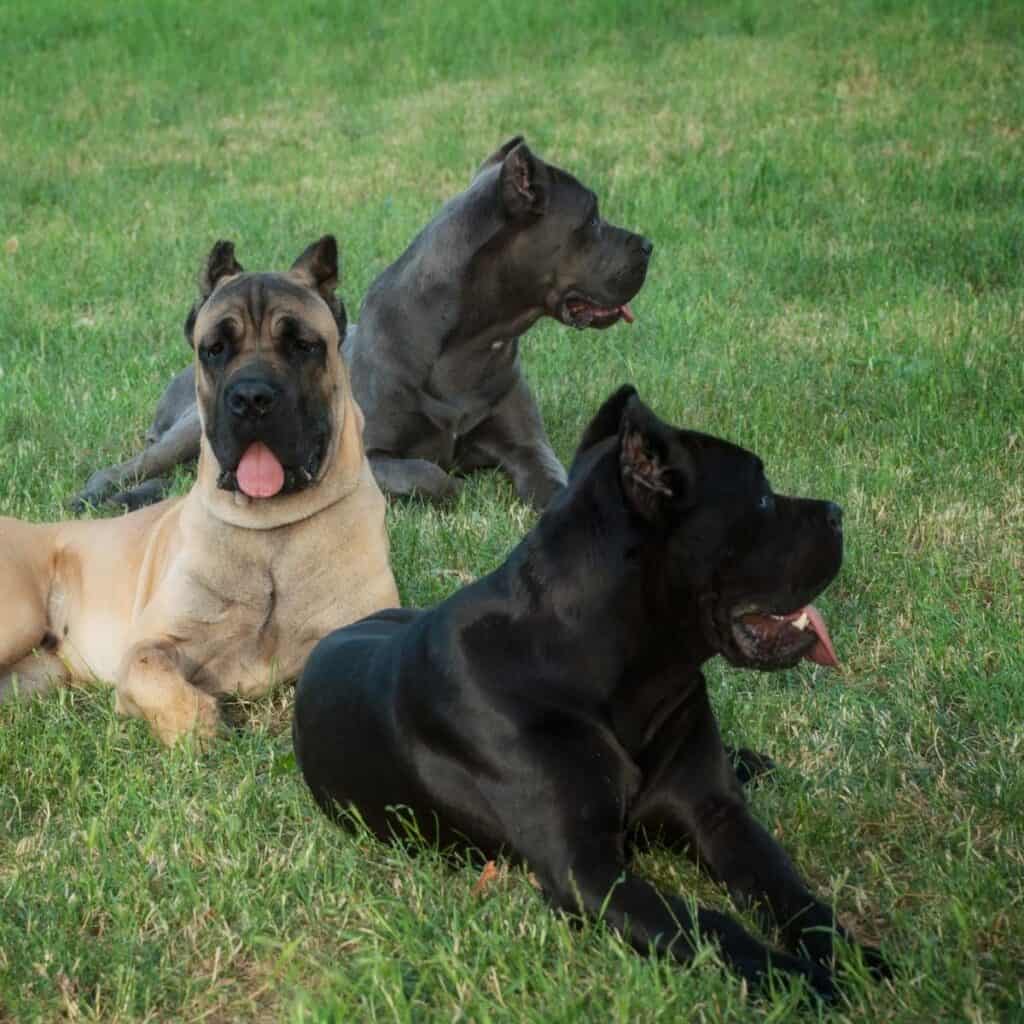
(280, 540)
(556, 710)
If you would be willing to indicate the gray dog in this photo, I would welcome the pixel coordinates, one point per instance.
(435, 356)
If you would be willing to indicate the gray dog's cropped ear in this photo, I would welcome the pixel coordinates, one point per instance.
(656, 469)
(522, 194)
(318, 266)
(220, 263)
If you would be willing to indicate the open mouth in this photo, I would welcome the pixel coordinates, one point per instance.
(780, 641)
(260, 474)
(579, 311)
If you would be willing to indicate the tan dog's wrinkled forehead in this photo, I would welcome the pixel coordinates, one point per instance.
(259, 306)
(253, 305)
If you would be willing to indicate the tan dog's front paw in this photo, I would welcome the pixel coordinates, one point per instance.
(196, 715)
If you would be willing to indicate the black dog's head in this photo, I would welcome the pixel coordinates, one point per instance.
(562, 255)
(727, 557)
(266, 367)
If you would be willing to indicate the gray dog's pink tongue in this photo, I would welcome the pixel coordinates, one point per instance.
(259, 474)
(627, 313)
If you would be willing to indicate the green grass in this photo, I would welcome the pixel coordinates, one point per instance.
(835, 192)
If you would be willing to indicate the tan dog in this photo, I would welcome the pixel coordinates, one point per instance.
(280, 541)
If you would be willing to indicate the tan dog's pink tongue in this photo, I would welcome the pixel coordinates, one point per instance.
(259, 474)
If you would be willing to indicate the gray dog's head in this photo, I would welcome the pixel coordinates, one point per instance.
(559, 253)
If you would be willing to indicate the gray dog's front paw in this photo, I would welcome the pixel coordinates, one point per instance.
(98, 488)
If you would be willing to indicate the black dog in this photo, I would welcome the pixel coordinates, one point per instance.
(556, 710)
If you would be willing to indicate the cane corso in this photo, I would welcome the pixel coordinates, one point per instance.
(280, 540)
(435, 356)
(555, 709)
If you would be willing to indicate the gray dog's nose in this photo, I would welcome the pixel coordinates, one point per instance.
(834, 516)
(250, 399)
(646, 248)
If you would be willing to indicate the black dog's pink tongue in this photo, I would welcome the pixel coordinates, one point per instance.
(627, 313)
(822, 652)
(259, 474)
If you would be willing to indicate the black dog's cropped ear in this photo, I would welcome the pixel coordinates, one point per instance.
(498, 156)
(522, 193)
(318, 267)
(606, 420)
(220, 263)
(656, 469)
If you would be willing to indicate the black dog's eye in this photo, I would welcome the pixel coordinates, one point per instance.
(765, 503)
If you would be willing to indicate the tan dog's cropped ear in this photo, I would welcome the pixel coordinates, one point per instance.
(656, 469)
(498, 156)
(317, 267)
(521, 192)
(220, 263)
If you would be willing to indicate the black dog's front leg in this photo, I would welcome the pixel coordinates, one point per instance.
(596, 884)
(697, 801)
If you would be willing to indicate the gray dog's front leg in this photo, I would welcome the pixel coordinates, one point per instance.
(514, 439)
(179, 444)
(403, 478)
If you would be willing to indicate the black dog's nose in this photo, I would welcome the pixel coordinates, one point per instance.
(646, 248)
(834, 516)
(251, 399)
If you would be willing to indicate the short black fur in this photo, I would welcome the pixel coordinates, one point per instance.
(555, 709)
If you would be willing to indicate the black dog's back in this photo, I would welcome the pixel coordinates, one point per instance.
(368, 737)
(338, 726)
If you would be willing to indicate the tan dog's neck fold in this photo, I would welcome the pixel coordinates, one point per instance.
(341, 475)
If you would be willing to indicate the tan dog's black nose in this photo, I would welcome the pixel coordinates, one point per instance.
(251, 399)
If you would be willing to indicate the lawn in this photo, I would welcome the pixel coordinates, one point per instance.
(836, 194)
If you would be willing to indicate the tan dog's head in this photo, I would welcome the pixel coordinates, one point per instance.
(268, 370)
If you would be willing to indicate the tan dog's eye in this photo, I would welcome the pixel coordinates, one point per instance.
(307, 346)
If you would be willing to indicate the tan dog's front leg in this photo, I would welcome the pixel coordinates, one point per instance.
(151, 685)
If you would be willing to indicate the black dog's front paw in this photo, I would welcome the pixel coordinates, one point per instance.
(749, 764)
(819, 979)
(878, 967)
(821, 948)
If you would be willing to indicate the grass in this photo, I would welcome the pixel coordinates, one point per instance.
(835, 194)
